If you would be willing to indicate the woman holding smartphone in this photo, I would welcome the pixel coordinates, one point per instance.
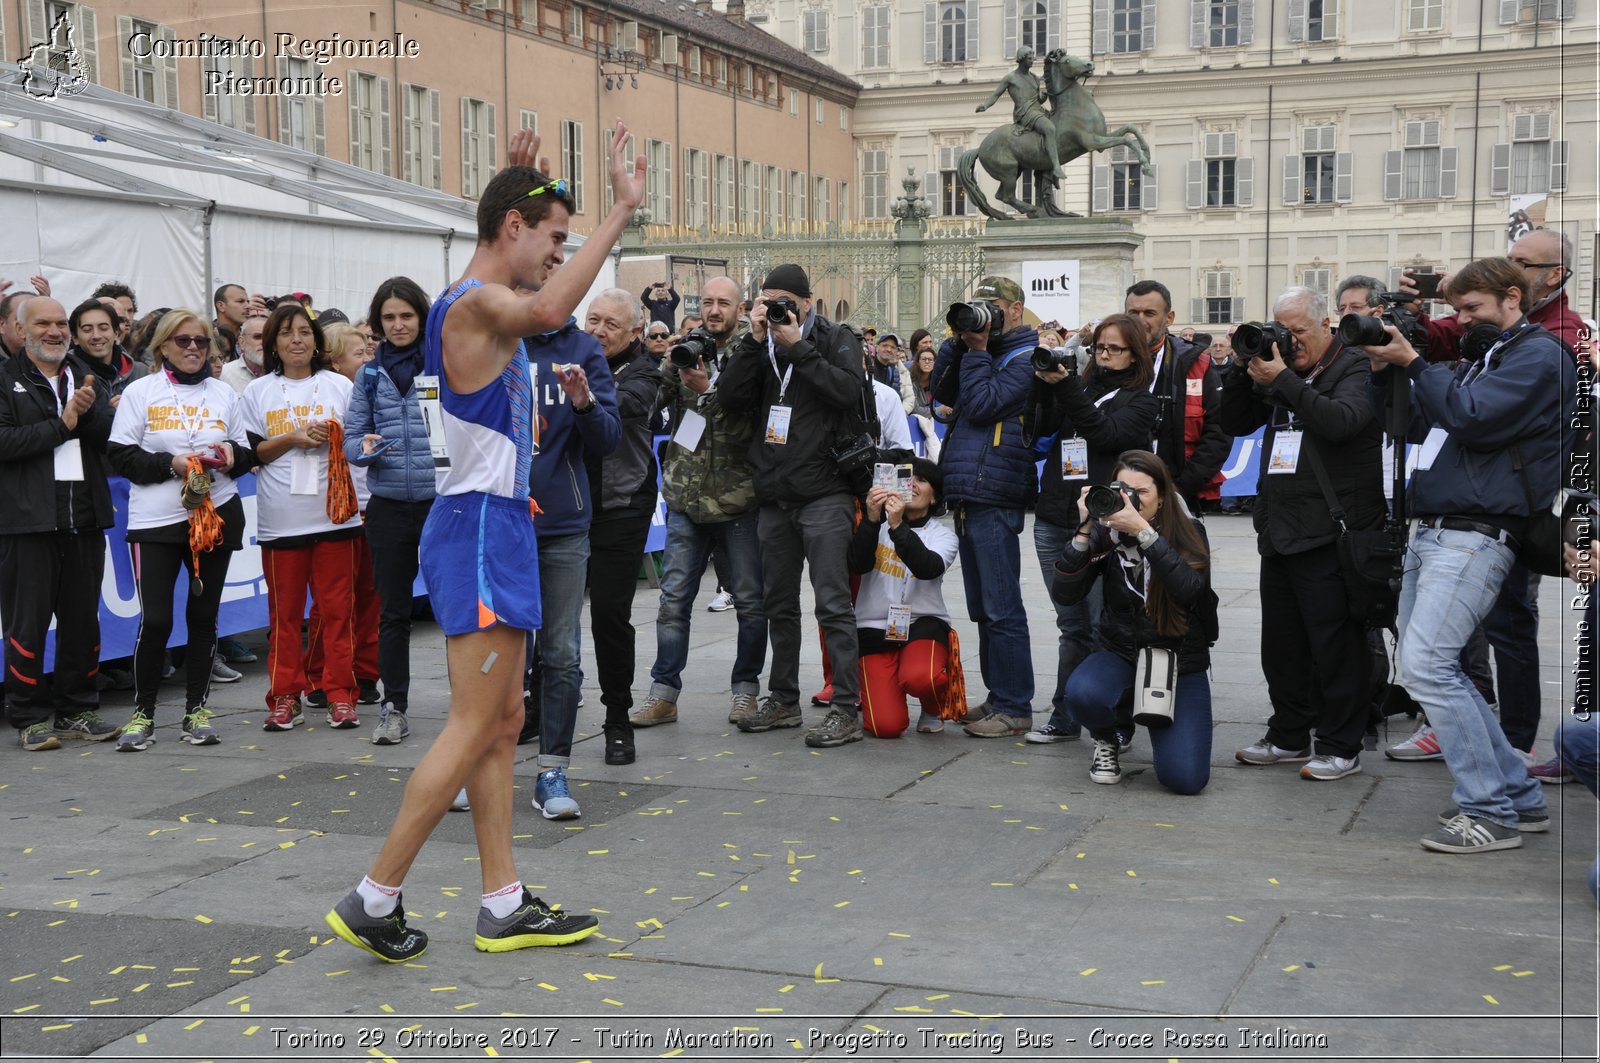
(178, 439)
(306, 514)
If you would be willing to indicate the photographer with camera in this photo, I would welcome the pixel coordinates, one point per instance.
(711, 510)
(1493, 452)
(661, 303)
(1320, 475)
(985, 373)
(799, 378)
(1095, 416)
(1153, 642)
(1187, 434)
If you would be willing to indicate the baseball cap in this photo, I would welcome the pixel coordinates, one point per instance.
(998, 288)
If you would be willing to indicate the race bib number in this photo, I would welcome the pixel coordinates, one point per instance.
(899, 629)
(691, 427)
(433, 417)
(69, 461)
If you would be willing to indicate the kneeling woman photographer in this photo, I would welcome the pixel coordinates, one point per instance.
(1157, 627)
(903, 627)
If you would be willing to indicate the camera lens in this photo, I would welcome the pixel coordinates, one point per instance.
(1102, 501)
(1362, 330)
(1046, 359)
(1249, 340)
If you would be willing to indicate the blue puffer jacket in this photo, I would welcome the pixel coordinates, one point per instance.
(404, 472)
(987, 458)
(560, 482)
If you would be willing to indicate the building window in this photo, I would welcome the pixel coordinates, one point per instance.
(1421, 164)
(232, 109)
(1221, 170)
(816, 31)
(844, 202)
(572, 161)
(301, 118)
(658, 181)
(1127, 26)
(823, 209)
(1034, 26)
(1530, 154)
(1222, 23)
(144, 75)
(818, 110)
(696, 194)
(953, 32)
(1424, 16)
(797, 198)
(477, 146)
(575, 22)
(725, 197)
(749, 195)
(419, 120)
(1319, 280)
(369, 122)
(1219, 305)
(844, 119)
(875, 36)
(950, 199)
(774, 213)
(1317, 165)
(1320, 20)
(874, 183)
(691, 62)
(1123, 182)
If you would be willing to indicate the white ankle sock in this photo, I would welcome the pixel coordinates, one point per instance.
(378, 900)
(502, 902)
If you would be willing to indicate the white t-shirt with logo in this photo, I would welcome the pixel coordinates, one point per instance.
(274, 406)
(163, 417)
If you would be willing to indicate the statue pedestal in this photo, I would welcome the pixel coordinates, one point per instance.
(1102, 247)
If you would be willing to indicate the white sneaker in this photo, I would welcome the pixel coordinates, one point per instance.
(721, 603)
(460, 803)
(1422, 745)
(929, 724)
(221, 673)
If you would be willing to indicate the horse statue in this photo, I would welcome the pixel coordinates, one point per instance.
(1080, 128)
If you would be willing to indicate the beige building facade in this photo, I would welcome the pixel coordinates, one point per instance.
(1294, 141)
(736, 127)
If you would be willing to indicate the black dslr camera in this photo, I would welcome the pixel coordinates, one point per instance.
(1364, 330)
(975, 317)
(1106, 499)
(1047, 358)
(699, 345)
(782, 310)
(1257, 339)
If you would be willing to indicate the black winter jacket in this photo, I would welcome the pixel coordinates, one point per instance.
(1336, 415)
(1125, 626)
(1194, 448)
(30, 431)
(824, 397)
(625, 479)
(1122, 422)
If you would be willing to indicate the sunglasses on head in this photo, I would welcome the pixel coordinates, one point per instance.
(558, 186)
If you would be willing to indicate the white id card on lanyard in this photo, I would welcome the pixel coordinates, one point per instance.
(1075, 458)
(899, 626)
(433, 417)
(691, 426)
(69, 461)
(303, 473)
(778, 425)
(1285, 452)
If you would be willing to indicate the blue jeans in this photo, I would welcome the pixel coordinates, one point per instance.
(1100, 695)
(1451, 581)
(1075, 623)
(991, 570)
(689, 547)
(563, 571)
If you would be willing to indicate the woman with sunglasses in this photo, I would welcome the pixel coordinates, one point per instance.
(178, 440)
(1095, 417)
(1154, 567)
(306, 514)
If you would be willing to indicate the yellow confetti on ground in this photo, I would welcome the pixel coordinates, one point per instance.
(1503, 967)
(769, 1011)
(1158, 982)
(1087, 971)
(786, 988)
(915, 1008)
(1132, 875)
(1072, 885)
(202, 919)
(238, 1000)
(598, 852)
(895, 934)
(1235, 918)
(25, 977)
(1520, 974)
(937, 997)
(1080, 856)
(877, 961)
(105, 1000)
(142, 1039)
(842, 904)
(1491, 1000)
(613, 1003)
(1274, 881)
(194, 1024)
(443, 989)
(24, 1008)
(335, 974)
(60, 1026)
(547, 985)
(250, 1031)
(1002, 883)
(1291, 967)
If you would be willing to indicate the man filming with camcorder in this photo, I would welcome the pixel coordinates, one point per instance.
(1320, 476)
(800, 379)
(985, 373)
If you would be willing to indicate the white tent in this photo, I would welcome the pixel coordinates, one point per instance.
(102, 186)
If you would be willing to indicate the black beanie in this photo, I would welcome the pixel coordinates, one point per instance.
(788, 278)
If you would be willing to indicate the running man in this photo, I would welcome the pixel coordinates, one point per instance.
(478, 545)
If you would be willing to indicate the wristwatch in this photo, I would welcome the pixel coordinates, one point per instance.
(1146, 537)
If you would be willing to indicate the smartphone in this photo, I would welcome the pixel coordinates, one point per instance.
(214, 458)
(902, 481)
(883, 475)
(381, 447)
(1427, 285)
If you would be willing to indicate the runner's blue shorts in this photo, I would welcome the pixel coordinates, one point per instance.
(480, 563)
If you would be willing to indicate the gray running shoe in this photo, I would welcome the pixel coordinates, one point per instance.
(772, 713)
(197, 729)
(392, 726)
(1264, 752)
(137, 734)
(839, 728)
(533, 923)
(1527, 822)
(86, 725)
(37, 738)
(1469, 834)
(386, 937)
(1326, 768)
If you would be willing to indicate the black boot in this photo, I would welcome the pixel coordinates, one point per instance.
(619, 743)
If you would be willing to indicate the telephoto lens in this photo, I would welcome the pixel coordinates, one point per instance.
(1361, 330)
(969, 317)
(698, 345)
